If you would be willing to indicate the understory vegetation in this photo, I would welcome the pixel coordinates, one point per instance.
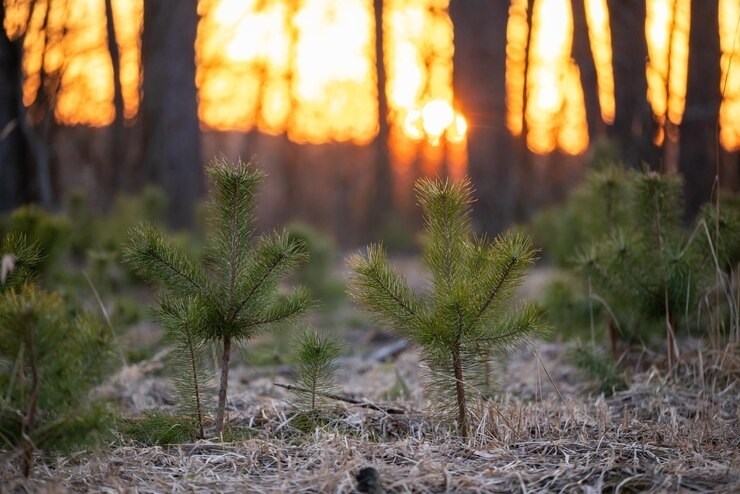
(128, 352)
(633, 271)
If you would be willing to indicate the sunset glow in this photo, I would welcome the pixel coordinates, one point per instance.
(729, 112)
(436, 119)
(75, 50)
(307, 69)
(517, 31)
(310, 69)
(554, 112)
(667, 31)
(573, 132)
(600, 38)
(419, 50)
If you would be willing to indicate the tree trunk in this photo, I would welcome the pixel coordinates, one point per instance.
(118, 174)
(698, 136)
(634, 127)
(169, 106)
(584, 58)
(480, 90)
(462, 407)
(223, 385)
(14, 166)
(382, 203)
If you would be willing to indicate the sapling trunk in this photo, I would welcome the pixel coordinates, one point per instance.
(196, 382)
(29, 417)
(462, 416)
(224, 384)
(457, 363)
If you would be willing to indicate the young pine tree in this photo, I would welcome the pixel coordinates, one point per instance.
(51, 355)
(467, 314)
(233, 295)
(317, 369)
(647, 268)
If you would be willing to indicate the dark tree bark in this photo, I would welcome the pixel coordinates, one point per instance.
(634, 126)
(527, 169)
(37, 121)
(382, 204)
(698, 136)
(584, 58)
(118, 174)
(169, 105)
(479, 81)
(14, 167)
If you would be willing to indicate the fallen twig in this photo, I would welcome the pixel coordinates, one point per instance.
(346, 399)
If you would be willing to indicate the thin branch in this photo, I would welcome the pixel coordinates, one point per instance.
(396, 299)
(492, 295)
(570, 412)
(346, 399)
(106, 316)
(259, 282)
(191, 281)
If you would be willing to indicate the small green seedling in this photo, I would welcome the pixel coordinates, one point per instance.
(230, 297)
(467, 313)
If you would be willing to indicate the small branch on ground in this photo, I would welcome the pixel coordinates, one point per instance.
(346, 399)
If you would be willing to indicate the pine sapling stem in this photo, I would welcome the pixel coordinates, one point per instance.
(224, 384)
(313, 396)
(462, 412)
(196, 384)
(29, 417)
(462, 415)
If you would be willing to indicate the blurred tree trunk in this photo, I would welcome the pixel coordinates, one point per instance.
(172, 157)
(383, 198)
(527, 170)
(584, 58)
(117, 174)
(479, 82)
(37, 121)
(634, 126)
(698, 152)
(13, 147)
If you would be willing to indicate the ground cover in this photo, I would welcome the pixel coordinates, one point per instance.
(543, 431)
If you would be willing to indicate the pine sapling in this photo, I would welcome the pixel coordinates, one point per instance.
(466, 314)
(233, 295)
(51, 355)
(317, 369)
(648, 268)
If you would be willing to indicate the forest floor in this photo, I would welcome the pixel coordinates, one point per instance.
(545, 430)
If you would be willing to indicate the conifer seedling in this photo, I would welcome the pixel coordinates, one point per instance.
(467, 313)
(647, 268)
(51, 355)
(317, 369)
(230, 297)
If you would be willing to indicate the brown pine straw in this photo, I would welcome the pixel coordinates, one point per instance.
(661, 435)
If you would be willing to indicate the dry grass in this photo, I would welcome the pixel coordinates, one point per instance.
(661, 435)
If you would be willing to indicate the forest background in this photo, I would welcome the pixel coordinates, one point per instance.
(105, 97)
